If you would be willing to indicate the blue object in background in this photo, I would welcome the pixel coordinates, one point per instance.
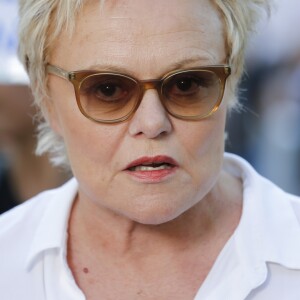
(11, 70)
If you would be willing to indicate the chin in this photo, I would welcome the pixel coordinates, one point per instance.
(155, 216)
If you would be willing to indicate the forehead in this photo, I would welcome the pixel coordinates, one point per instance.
(155, 34)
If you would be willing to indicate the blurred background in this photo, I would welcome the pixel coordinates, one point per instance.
(264, 130)
(22, 174)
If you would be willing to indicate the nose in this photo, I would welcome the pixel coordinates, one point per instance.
(150, 119)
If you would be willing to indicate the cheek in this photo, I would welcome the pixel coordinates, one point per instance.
(205, 137)
(93, 142)
(203, 149)
(92, 147)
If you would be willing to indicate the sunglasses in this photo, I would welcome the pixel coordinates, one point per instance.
(108, 97)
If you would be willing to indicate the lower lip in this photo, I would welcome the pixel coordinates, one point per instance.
(154, 176)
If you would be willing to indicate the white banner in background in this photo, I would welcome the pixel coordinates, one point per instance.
(11, 70)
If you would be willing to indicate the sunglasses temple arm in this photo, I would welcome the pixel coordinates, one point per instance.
(58, 72)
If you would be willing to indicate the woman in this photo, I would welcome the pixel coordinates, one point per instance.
(155, 210)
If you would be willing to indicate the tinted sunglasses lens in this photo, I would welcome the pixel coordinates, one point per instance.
(108, 96)
(192, 93)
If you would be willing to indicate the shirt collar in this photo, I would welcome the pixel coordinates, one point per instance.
(51, 232)
(269, 231)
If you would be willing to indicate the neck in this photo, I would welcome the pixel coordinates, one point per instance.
(214, 218)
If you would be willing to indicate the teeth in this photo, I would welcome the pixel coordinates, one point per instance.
(151, 168)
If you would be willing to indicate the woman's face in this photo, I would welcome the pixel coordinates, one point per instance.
(145, 39)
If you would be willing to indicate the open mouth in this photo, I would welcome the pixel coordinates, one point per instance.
(157, 163)
(152, 167)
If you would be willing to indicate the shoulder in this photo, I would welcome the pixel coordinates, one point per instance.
(25, 217)
(253, 182)
(33, 227)
(268, 236)
(261, 194)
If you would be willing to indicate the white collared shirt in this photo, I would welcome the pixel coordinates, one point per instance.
(261, 260)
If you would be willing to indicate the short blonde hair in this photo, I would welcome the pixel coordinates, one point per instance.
(41, 22)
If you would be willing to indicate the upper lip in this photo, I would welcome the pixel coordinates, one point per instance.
(147, 160)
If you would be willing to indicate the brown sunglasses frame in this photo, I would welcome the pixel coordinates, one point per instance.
(77, 77)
